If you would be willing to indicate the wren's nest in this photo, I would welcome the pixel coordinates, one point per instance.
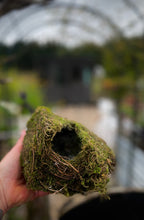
(63, 156)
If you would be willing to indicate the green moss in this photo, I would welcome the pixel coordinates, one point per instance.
(63, 156)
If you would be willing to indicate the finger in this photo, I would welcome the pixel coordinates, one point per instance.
(20, 140)
(40, 194)
(19, 145)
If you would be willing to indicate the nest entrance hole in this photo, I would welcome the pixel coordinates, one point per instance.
(66, 143)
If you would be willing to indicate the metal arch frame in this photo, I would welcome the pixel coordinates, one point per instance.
(7, 5)
(89, 10)
(27, 14)
(84, 8)
(73, 23)
(136, 11)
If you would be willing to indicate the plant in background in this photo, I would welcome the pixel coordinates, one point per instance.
(24, 89)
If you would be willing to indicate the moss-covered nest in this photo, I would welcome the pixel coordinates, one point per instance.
(63, 156)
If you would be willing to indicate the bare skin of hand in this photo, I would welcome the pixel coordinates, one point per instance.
(13, 190)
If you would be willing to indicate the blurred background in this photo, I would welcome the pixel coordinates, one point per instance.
(85, 61)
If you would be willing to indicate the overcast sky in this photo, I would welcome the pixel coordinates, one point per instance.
(85, 21)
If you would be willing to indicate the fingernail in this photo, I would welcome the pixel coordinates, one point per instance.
(23, 132)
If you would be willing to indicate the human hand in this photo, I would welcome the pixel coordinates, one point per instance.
(13, 191)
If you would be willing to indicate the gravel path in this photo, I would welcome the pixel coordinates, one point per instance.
(85, 114)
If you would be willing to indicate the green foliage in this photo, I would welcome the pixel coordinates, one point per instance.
(89, 50)
(24, 56)
(22, 83)
(12, 214)
(127, 110)
(123, 61)
(6, 120)
(124, 58)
